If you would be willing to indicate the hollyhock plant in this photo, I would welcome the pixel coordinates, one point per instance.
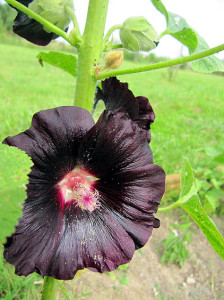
(115, 94)
(33, 31)
(91, 195)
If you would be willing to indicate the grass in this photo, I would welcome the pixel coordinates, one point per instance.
(14, 287)
(189, 111)
(189, 117)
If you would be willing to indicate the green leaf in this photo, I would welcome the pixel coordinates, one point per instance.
(14, 167)
(213, 197)
(177, 27)
(214, 151)
(160, 7)
(123, 267)
(195, 210)
(66, 62)
(140, 252)
(191, 203)
(208, 64)
(112, 275)
(123, 279)
(187, 182)
(180, 30)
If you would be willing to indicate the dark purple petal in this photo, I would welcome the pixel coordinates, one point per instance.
(38, 234)
(115, 95)
(116, 151)
(146, 114)
(52, 142)
(32, 30)
(132, 197)
(55, 238)
(115, 144)
(90, 240)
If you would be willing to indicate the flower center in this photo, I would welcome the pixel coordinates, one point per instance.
(77, 186)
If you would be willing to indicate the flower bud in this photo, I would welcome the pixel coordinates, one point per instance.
(74, 39)
(114, 59)
(138, 34)
(53, 11)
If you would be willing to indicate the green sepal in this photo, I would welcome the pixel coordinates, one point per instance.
(138, 34)
(53, 11)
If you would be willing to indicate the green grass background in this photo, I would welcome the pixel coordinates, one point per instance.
(189, 111)
(189, 117)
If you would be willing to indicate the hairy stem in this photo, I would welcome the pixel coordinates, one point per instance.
(49, 289)
(161, 65)
(172, 206)
(39, 19)
(74, 21)
(163, 33)
(89, 53)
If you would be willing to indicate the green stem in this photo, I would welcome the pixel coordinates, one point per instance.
(39, 19)
(117, 46)
(161, 65)
(172, 206)
(89, 54)
(110, 31)
(74, 21)
(49, 289)
(163, 33)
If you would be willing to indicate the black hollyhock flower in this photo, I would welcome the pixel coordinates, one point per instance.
(30, 29)
(116, 94)
(91, 195)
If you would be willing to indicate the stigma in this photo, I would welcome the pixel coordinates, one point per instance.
(78, 187)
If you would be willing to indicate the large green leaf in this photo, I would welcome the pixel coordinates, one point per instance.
(14, 167)
(177, 27)
(180, 30)
(60, 60)
(191, 203)
(208, 64)
(195, 210)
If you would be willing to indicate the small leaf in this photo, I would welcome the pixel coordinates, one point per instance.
(66, 62)
(123, 279)
(140, 252)
(177, 27)
(213, 197)
(160, 7)
(187, 182)
(214, 151)
(112, 275)
(208, 64)
(14, 167)
(123, 267)
(195, 210)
